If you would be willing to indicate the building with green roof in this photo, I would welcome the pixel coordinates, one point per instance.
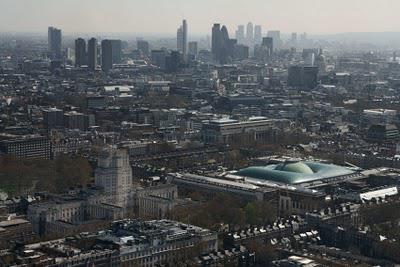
(294, 172)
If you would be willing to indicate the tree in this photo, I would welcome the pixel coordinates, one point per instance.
(22, 176)
(251, 214)
(260, 213)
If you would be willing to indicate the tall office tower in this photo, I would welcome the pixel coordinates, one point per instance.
(216, 41)
(276, 36)
(185, 36)
(92, 54)
(111, 53)
(54, 38)
(250, 35)
(257, 35)
(49, 38)
(227, 45)
(181, 38)
(106, 55)
(240, 37)
(114, 174)
(144, 47)
(116, 51)
(192, 49)
(80, 52)
(293, 39)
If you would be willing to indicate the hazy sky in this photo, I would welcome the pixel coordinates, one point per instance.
(163, 16)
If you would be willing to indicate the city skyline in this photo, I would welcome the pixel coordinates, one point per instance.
(161, 17)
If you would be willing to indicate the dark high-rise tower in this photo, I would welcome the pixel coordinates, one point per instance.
(181, 38)
(54, 42)
(92, 54)
(80, 52)
(222, 46)
(216, 42)
(116, 51)
(106, 55)
(111, 53)
(226, 51)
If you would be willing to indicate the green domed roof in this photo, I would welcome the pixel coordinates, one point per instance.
(298, 167)
(294, 172)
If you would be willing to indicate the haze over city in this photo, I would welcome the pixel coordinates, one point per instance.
(199, 133)
(161, 16)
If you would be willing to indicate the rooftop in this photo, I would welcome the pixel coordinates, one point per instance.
(294, 172)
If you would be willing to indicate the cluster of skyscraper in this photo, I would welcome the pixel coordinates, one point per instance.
(187, 49)
(252, 36)
(300, 40)
(111, 53)
(222, 47)
(225, 50)
(87, 54)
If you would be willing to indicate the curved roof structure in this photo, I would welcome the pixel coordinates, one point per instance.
(294, 172)
(297, 167)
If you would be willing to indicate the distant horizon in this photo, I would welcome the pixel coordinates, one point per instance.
(162, 17)
(173, 35)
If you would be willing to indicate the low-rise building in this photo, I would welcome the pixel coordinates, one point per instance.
(225, 131)
(126, 243)
(15, 230)
(26, 146)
